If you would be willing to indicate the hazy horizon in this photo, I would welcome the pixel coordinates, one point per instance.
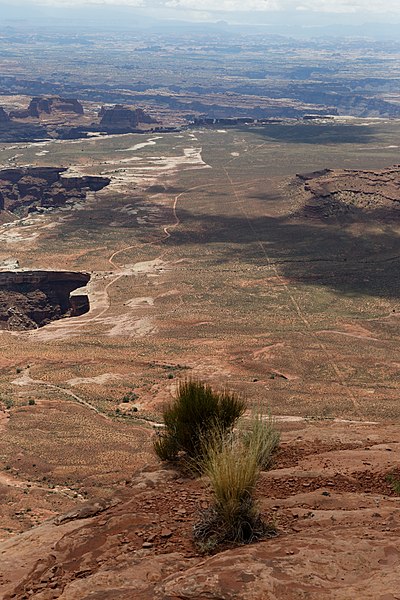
(278, 16)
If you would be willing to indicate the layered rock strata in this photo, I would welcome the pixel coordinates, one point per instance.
(346, 193)
(32, 299)
(28, 189)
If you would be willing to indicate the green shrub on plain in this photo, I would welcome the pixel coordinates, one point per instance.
(192, 418)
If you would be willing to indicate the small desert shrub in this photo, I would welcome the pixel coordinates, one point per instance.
(394, 480)
(191, 419)
(129, 397)
(9, 403)
(31, 402)
(233, 469)
(262, 437)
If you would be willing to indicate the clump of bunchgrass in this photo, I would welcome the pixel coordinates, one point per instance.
(191, 419)
(233, 468)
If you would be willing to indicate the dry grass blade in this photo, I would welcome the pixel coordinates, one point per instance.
(260, 435)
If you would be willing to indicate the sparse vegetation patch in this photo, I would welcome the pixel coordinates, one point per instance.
(199, 428)
(394, 480)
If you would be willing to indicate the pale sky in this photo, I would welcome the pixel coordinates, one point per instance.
(332, 6)
(321, 6)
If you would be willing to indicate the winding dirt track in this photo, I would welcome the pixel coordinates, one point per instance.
(26, 379)
(240, 202)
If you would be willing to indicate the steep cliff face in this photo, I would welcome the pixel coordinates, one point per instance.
(347, 194)
(31, 299)
(26, 189)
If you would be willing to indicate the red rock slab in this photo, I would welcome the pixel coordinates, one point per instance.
(332, 565)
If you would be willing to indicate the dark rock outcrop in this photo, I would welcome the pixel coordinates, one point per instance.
(4, 117)
(28, 189)
(57, 117)
(122, 119)
(48, 105)
(14, 131)
(143, 117)
(31, 299)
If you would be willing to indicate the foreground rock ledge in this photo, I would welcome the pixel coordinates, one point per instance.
(333, 543)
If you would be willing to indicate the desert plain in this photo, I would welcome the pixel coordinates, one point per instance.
(206, 262)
